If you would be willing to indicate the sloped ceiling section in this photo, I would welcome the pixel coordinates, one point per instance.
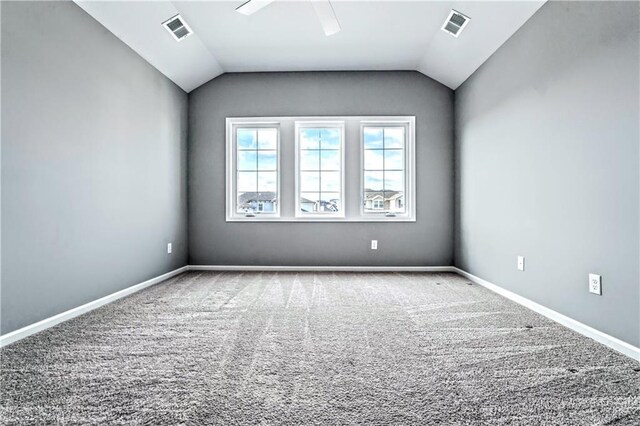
(287, 36)
(188, 63)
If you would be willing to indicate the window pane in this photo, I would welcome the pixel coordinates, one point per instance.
(247, 160)
(268, 181)
(374, 181)
(309, 181)
(373, 159)
(267, 206)
(309, 159)
(256, 170)
(309, 138)
(320, 169)
(330, 181)
(330, 202)
(247, 181)
(246, 139)
(326, 202)
(394, 181)
(330, 160)
(393, 159)
(330, 138)
(267, 139)
(267, 160)
(394, 137)
(394, 201)
(246, 202)
(373, 138)
(252, 202)
(309, 201)
(374, 201)
(384, 169)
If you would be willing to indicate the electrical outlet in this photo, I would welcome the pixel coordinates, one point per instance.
(169, 248)
(595, 284)
(374, 244)
(520, 263)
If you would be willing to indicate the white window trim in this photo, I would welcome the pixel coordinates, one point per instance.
(355, 213)
(319, 123)
(409, 123)
(232, 124)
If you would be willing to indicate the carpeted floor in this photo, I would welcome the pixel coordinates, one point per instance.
(324, 348)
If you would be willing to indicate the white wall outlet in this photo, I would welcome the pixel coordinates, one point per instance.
(520, 263)
(595, 284)
(374, 244)
(169, 248)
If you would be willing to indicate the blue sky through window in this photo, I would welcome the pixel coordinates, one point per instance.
(257, 168)
(320, 169)
(384, 167)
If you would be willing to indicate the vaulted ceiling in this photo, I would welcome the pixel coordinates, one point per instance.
(287, 36)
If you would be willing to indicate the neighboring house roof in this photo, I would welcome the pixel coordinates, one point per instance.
(306, 200)
(248, 197)
(390, 195)
(395, 196)
(329, 204)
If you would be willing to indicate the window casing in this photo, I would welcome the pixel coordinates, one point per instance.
(327, 175)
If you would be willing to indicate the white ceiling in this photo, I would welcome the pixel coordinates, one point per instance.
(287, 36)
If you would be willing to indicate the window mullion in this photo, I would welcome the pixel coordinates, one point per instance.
(320, 169)
(257, 178)
(384, 168)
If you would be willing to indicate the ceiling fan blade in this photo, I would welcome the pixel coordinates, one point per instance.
(252, 6)
(327, 16)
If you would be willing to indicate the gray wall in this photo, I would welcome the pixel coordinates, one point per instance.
(93, 163)
(548, 164)
(428, 241)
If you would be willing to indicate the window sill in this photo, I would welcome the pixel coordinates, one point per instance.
(359, 219)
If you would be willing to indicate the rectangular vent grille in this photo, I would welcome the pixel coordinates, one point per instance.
(455, 23)
(177, 28)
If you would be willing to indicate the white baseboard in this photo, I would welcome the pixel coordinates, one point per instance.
(250, 268)
(72, 313)
(610, 341)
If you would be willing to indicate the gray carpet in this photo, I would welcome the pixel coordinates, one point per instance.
(324, 348)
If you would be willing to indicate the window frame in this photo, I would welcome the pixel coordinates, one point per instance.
(409, 215)
(231, 202)
(352, 173)
(319, 123)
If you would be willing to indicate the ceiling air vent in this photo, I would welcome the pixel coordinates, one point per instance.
(455, 23)
(177, 27)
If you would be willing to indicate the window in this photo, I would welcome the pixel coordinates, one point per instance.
(385, 169)
(254, 162)
(297, 169)
(319, 174)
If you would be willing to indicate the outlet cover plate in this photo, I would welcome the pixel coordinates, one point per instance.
(595, 284)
